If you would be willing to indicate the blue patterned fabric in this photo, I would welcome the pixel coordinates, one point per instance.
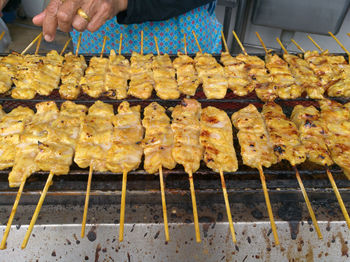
(170, 34)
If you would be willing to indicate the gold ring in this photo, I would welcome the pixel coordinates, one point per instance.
(83, 15)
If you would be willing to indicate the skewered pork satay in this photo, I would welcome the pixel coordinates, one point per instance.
(217, 140)
(322, 68)
(93, 83)
(37, 75)
(141, 76)
(56, 153)
(305, 76)
(282, 78)
(212, 76)
(159, 139)
(24, 78)
(187, 150)
(8, 66)
(237, 73)
(311, 132)
(126, 150)
(259, 79)
(11, 127)
(187, 77)
(117, 76)
(340, 86)
(164, 77)
(35, 133)
(256, 147)
(72, 72)
(95, 137)
(283, 135)
(336, 119)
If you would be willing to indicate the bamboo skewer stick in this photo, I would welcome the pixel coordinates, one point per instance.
(224, 41)
(86, 206)
(122, 207)
(227, 204)
(65, 45)
(339, 198)
(198, 45)
(12, 215)
(38, 45)
(120, 44)
(262, 42)
(298, 46)
(165, 215)
(103, 45)
(157, 47)
(314, 42)
(37, 210)
(194, 206)
(339, 43)
(2, 35)
(308, 204)
(282, 46)
(31, 44)
(268, 204)
(141, 42)
(185, 44)
(78, 45)
(239, 42)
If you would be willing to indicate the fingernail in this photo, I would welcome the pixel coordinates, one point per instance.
(48, 38)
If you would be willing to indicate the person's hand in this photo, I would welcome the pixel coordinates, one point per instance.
(62, 14)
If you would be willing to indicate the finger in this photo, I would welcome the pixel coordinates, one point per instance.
(39, 19)
(104, 13)
(90, 9)
(66, 14)
(50, 20)
(98, 20)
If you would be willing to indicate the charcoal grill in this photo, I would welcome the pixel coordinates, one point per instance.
(56, 234)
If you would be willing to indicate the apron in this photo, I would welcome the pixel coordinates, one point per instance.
(169, 33)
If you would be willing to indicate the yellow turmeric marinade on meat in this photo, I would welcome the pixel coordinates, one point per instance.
(284, 135)
(217, 140)
(211, 75)
(56, 152)
(256, 146)
(126, 150)
(311, 132)
(11, 127)
(237, 74)
(93, 82)
(187, 150)
(37, 75)
(336, 119)
(141, 76)
(186, 74)
(305, 76)
(259, 79)
(95, 137)
(164, 77)
(282, 78)
(116, 82)
(36, 132)
(158, 142)
(72, 71)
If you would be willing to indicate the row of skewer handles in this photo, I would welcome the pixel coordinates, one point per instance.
(116, 77)
(95, 137)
